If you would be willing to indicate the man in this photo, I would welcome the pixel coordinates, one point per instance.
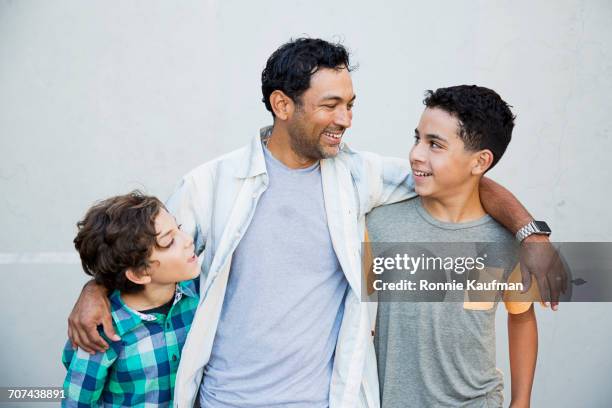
(280, 223)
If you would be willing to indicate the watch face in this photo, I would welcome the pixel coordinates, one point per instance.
(542, 226)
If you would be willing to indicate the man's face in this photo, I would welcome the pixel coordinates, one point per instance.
(440, 164)
(322, 114)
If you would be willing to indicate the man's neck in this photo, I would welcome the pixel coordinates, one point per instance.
(280, 147)
(463, 206)
(152, 296)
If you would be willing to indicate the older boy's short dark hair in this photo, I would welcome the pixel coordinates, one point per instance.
(116, 234)
(485, 119)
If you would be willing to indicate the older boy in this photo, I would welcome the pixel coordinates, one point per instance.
(443, 354)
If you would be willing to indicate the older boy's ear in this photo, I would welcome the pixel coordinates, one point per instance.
(484, 159)
(137, 276)
(282, 105)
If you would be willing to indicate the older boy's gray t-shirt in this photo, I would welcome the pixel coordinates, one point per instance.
(283, 307)
(435, 354)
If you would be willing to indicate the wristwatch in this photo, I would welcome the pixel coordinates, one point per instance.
(534, 227)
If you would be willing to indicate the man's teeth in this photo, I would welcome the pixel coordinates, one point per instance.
(334, 135)
(421, 173)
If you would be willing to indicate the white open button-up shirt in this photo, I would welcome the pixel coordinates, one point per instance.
(215, 203)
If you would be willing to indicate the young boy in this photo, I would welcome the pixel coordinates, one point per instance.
(132, 245)
(443, 354)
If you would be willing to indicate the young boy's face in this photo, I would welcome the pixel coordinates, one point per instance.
(440, 164)
(174, 260)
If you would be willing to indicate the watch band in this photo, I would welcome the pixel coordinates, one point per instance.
(534, 227)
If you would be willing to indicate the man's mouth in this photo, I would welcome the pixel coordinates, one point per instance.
(334, 135)
(419, 173)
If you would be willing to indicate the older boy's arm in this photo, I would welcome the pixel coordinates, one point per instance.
(538, 256)
(91, 309)
(523, 343)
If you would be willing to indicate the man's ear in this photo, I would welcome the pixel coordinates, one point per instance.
(282, 105)
(141, 277)
(484, 159)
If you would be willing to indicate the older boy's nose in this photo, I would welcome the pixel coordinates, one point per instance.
(417, 153)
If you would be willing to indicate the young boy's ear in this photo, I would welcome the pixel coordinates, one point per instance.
(484, 159)
(137, 276)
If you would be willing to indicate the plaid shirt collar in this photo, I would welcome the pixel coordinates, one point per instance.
(126, 318)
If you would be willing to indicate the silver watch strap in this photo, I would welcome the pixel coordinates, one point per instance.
(526, 231)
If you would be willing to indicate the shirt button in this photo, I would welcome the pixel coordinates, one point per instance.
(174, 357)
(168, 325)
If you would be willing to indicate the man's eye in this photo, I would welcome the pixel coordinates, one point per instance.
(434, 145)
(329, 106)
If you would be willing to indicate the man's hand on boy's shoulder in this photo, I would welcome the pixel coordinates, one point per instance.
(91, 309)
(541, 259)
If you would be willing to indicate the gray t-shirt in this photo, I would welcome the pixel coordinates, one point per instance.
(281, 315)
(436, 354)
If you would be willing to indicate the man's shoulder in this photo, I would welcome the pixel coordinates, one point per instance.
(231, 160)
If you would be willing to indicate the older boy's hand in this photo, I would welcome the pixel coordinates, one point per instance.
(540, 259)
(91, 309)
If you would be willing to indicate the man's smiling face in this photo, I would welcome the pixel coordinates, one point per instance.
(322, 114)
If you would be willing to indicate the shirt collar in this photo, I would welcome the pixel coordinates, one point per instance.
(255, 163)
(126, 318)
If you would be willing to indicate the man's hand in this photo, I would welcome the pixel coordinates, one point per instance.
(540, 259)
(91, 309)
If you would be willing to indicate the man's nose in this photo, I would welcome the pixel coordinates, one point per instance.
(343, 117)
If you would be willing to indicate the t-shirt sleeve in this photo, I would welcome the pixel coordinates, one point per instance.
(86, 375)
(516, 302)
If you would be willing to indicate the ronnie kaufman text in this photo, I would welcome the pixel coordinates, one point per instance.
(424, 285)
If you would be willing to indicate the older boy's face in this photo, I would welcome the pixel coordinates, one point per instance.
(174, 260)
(440, 164)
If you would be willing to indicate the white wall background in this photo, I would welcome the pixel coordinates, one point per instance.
(99, 97)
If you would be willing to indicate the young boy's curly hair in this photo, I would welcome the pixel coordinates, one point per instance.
(116, 234)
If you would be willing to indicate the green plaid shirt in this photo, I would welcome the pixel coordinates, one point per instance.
(140, 369)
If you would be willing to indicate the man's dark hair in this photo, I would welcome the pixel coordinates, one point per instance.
(116, 234)
(485, 120)
(290, 67)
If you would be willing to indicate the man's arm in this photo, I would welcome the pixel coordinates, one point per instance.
(538, 257)
(502, 205)
(91, 309)
(523, 343)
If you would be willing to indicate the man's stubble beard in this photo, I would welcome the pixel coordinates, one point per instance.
(302, 145)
